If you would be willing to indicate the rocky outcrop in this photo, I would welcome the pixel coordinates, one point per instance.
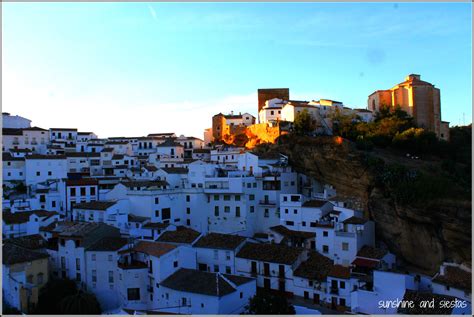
(423, 237)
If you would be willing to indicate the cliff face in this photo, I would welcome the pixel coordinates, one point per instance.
(422, 237)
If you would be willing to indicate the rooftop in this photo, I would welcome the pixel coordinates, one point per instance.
(156, 249)
(314, 203)
(455, 277)
(339, 271)
(95, 205)
(108, 244)
(371, 252)
(284, 231)
(355, 221)
(13, 254)
(316, 267)
(198, 282)
(180, 235)
(274, 253)
(175, 170)
(219, 241)
(31, 242)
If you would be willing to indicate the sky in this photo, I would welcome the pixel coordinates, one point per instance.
(130, 69)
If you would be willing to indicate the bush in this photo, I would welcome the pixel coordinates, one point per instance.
(416, 140)
(266, 303)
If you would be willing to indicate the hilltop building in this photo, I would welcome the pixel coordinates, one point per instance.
(419, 99)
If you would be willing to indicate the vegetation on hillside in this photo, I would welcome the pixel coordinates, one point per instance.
(61, 297)
(266, 303)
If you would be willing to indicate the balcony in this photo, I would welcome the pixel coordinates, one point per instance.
(267, 202)
(334, 290)
(133, 265)
(345, 234)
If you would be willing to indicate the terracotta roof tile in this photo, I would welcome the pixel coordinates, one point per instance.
(219, 241)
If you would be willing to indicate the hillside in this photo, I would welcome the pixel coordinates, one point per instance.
(422, 209)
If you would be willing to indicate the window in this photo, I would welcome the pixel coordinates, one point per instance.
(94, 275)
(226, 197)
(285, 198)
(237, 197)
(237, 211)
(216, 211)
(78, 277)
(290, 223)
(110, 258)
(228, 270)
(157, 213)
(303, 223)
(133, 294)
(188, 210)
(216, 197)
(325, 233)
(83, 191)
(325, 249)
(286, 210)
(216, 268)
(216, 254)
(183, 301)
(72, 192)
(295, 211)
(345, 246)
(266, 213)
(188, 198)
(111, 276)
(342, 284)
(29, 279)
(39, 278)
(249, 185)
(252, 209)
(241, 294)
(227, 255)
(63, 262)
(78, 264)
(254, 185)
(93, 257)
(50, 173)
(251, 197)
(53, 204)
(38, 173)
(166, 213)
(175, 264)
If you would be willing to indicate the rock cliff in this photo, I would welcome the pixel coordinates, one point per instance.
(421, 236)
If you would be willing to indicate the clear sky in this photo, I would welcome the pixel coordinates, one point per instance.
(129, 69)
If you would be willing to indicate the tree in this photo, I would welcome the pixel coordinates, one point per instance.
(81, 303)
(61, 297)
(303, 124)
(266, 303)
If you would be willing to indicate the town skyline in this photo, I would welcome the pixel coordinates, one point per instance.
(157, 73)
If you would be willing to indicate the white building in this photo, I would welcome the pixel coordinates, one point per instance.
(14, 122)
(40, 168)
(196, 292)
(272, 264)
(215, 252)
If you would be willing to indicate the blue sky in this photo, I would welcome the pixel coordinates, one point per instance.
(138, 68)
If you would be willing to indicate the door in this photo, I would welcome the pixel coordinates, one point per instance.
(333, 302)
(342, 302)
(254, 267)
(316, 298)
(266, 283)
(266, 269)
(306, 295)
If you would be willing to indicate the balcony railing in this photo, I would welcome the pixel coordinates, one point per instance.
(345, 234)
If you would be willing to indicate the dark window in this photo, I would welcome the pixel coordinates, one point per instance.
(73, 191)
(290, 223)
(157, 200)
(188, 198)
(325, 249)
(175, 264)
(83, 191)
(237, 211)
(92, 190)
(157, 213)
(342, 284)
(133, 294)
(325, 233)
(166, 213)
(216, 211)
(285, 198)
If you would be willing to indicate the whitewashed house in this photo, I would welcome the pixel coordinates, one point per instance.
(195, 292)
(215, 252)
(24, 223)
(40, 168)
(453, 280)
(271, 264)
